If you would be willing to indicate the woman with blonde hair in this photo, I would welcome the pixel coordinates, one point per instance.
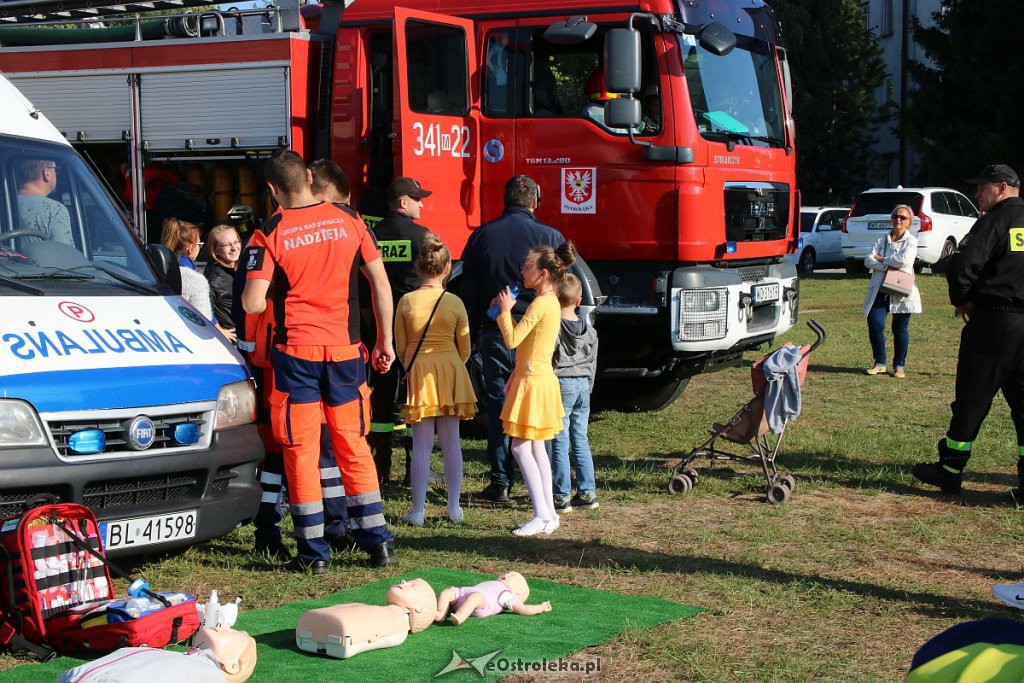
(432, 341)
(896, 250)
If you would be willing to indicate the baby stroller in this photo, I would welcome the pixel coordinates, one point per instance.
(749, 427)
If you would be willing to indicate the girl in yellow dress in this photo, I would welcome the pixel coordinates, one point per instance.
(533, 411)
(439, 389)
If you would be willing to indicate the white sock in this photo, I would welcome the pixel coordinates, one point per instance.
(422, 445)
(451, 448)
(522, 451)
(540, 455)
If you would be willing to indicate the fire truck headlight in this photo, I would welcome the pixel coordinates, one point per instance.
(702, 314)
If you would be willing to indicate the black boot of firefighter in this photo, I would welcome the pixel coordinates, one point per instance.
(947, 473)
(380, 445)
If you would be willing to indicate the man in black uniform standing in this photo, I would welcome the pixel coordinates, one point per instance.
(491, 260)
(399, 238)
(986, 285)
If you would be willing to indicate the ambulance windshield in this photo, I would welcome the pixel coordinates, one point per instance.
(60, 230)
(736, 96)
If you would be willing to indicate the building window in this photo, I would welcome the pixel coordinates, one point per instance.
(865, 7)
(885, 21)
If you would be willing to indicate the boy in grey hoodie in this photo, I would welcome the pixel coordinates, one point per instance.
(575, 364)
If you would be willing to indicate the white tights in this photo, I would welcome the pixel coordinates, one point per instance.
(535, 465)
(451, 448)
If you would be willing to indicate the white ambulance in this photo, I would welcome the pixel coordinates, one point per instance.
(114, 392)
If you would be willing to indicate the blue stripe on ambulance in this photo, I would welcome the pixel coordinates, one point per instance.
(126, 387)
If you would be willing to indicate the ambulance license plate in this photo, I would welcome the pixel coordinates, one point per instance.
(766, 293)
(140, 531)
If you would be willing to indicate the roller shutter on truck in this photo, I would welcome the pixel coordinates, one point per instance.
(215, 109)
(88, 108)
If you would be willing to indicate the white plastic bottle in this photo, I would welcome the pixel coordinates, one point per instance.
(212, 613)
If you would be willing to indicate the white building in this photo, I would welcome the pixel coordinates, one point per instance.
(891, 21)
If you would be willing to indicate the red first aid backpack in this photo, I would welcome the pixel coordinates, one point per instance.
(55, 585)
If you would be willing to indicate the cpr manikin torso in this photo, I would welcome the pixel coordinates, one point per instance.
(347, 630)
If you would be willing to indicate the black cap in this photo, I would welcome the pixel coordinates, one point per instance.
(406, 187)
(996, 173)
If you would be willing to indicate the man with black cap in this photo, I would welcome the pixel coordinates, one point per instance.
(986, 285)
(399, 238)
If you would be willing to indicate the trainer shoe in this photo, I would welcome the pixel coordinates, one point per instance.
(585, 501)
(563, 505)
(935, 474)
(876, 370)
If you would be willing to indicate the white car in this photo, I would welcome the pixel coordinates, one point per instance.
(821, 229)
(942, 217)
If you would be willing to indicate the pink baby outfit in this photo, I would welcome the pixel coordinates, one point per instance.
(497, 598)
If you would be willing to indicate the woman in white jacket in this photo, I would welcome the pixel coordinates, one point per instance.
(897, 250)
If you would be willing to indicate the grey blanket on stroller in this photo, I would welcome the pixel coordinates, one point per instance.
(782, 394)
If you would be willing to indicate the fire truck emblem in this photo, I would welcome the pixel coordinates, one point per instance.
(579, 190)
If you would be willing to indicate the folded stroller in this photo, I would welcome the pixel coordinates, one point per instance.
(749, 427)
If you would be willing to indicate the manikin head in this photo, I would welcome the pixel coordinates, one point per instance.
(516, 583)
(419, 599)
(235, 651)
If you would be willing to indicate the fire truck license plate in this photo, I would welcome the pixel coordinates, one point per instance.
(766, 293)
(139, 531)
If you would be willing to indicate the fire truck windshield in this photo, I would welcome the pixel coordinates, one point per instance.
(736, 96)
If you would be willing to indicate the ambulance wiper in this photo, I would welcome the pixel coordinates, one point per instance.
(20, 286)
(134, 284)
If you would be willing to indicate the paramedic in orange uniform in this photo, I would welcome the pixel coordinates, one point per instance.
(311, 251)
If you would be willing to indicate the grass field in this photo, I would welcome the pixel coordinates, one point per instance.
(843, 582)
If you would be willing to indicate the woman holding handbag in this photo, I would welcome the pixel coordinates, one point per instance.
(432, 341)
(892, 289)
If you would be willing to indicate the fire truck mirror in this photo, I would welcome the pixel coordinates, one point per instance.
(717, 39)
(622, 112)
(572, 31)
(622, 60)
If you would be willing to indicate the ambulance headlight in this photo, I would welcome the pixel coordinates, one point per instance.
(236, 404)
(20, 425)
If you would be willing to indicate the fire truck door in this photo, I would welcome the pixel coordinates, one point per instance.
(436, 126)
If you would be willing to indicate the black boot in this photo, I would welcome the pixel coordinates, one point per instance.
(383, 554)
(380, 444)
(947, 472)
(1020, 478)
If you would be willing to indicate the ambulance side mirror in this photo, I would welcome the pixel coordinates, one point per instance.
(166, 266)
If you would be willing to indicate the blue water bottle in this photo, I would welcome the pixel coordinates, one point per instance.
(493, 311)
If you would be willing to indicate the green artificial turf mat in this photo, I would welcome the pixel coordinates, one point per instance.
(580, 618)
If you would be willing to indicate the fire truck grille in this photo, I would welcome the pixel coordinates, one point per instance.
(756, 212)
(752, 273)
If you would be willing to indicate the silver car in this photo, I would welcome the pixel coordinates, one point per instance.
(820, 238)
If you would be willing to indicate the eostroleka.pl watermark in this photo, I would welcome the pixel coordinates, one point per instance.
(492, 663)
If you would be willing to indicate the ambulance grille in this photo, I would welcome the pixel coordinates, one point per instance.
(117, 440)
(140, 491)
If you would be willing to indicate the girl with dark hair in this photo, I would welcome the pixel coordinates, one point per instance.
(439, 391)
(533, 409)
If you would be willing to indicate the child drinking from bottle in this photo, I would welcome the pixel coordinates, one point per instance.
(533, 411)
(432, 341)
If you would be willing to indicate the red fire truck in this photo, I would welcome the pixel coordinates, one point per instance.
(678, 188)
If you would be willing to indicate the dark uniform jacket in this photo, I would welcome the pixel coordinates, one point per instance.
(989, 268)
(399, 239)
(493, 258)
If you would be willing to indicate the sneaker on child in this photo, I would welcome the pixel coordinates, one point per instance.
(584, 501)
